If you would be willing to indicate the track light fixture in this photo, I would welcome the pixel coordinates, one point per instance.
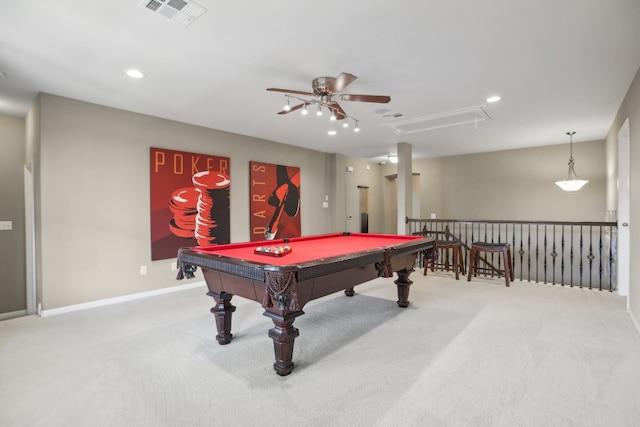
(335, 113)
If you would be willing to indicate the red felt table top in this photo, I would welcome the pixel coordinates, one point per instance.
(305, 249)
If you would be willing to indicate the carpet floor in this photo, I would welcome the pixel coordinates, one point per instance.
(462, 354)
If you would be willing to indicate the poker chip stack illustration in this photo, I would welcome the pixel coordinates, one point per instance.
(183, 206)
(213, 189)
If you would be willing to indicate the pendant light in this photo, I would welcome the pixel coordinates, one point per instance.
(571, 183)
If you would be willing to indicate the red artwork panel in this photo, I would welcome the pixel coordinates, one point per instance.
(274, 201)
(189, 201)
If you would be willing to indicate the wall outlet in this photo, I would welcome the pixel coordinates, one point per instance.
(174, 266)
(433, 216)
(143, 270)
(6, 225)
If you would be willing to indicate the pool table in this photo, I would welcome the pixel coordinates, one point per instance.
(283, 283)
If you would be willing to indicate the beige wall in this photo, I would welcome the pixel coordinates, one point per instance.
(94, 201)
(630, 109)
(519, 184)
(511, 185)
(12, 243)
(92, 190)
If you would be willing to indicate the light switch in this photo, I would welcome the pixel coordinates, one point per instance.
(6, 225)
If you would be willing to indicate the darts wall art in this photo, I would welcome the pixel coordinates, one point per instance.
(274, 201)
(189, 201)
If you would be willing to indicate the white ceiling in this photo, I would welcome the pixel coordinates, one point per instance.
(559, 65)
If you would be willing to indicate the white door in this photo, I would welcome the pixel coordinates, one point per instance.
(623, 211)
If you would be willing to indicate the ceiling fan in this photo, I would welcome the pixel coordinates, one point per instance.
(326, 91)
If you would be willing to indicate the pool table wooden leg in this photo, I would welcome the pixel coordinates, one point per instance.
(283, 334)
(223, 311)
(403, 284)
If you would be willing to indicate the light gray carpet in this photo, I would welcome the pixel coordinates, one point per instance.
(463, 354)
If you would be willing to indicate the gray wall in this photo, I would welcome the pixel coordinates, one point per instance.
(12, 243)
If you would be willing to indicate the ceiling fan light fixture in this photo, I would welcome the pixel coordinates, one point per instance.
(326, 92)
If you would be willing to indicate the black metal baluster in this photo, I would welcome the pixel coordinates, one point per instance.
(590, 257)
(581, 254)
(529, 253)
(537, 251)
(571, 258)
(600, 266)
(513, 250)
(553, 258)
(521, 251)
(544, 260)
(562, 260)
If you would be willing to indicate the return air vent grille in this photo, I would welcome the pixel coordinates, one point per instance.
(442, 120)
(179, 11)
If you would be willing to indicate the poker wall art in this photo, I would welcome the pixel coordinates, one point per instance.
(274, 201)
(189, 201)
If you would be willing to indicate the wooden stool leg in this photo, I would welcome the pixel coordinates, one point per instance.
(460, 259)
(425, 264)
(507, 268)
(471, 263)
(456, 265)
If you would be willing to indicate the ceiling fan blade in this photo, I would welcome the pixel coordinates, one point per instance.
(380, 99)
(342, 81)
(337, 109)
(297, 107)
(297, 92)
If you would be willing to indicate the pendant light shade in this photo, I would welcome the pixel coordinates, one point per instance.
(571, 183)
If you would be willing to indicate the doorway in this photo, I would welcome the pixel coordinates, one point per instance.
(364, 208)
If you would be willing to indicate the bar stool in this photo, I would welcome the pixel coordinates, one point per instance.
(441, 248)
(503, 248)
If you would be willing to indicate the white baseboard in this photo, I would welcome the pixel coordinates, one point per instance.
(115, 300)
(634, 320)
(5, 316)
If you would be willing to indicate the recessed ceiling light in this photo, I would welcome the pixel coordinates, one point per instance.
(136, 74)
(494, 98)
(332, 132)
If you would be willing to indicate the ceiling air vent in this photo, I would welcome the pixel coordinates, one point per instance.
(179, 11)
(440, 120)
